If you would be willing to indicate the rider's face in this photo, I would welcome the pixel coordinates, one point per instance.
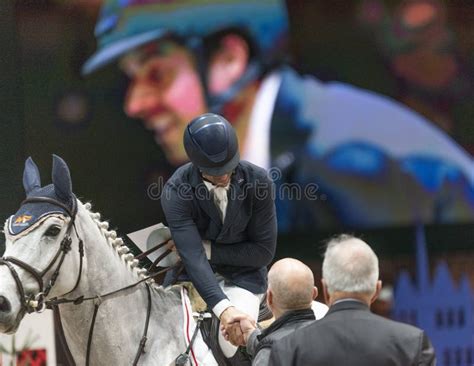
(165, 92)
(220, 181)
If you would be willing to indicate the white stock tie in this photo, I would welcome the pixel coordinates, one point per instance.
(220, 197)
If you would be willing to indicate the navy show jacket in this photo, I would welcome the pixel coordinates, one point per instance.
(241, 247)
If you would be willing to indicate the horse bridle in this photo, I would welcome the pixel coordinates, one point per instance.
(36, 303)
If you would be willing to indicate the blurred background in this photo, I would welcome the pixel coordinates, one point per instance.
(420, 53)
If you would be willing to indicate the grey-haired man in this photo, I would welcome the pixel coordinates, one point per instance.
(350, 334)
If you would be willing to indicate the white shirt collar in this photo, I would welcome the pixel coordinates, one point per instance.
(256, 148)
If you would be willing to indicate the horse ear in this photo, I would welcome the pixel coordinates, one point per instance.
(61, 179)
(31, 176)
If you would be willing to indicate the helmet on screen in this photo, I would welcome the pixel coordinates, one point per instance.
(211, 144)
(127, 24)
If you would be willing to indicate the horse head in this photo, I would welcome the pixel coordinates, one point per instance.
(39, 236)
(59, 254)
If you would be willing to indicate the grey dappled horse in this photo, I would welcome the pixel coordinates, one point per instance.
(58, 250)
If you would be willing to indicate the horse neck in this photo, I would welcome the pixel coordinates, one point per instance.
(106, 270)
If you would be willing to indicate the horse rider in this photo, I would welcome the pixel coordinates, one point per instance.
(222, 218)
(366, 160)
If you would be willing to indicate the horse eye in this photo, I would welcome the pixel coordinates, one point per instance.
(53, 231)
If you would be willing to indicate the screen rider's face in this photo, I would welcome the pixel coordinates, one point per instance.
(165, 92)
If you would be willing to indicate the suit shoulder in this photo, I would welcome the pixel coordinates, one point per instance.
(399, 327)
(181, 175)
(386, 326)
(337, 91)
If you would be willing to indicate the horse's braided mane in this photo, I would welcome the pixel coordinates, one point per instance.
(119, 246)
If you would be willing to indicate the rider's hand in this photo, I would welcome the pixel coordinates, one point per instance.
(205, 243)
(230, 327)
(247, 326)
(172, 246)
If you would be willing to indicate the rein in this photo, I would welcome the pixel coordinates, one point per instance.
(37, 303)
(54, 302)
(80, 299)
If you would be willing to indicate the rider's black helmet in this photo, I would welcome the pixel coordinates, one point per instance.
(211, 144)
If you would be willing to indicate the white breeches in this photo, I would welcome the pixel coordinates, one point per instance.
(244, 301)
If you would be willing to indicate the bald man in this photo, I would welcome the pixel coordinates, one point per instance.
(290, 296)
(350, 334)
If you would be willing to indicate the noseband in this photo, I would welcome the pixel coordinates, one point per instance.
(36, 303)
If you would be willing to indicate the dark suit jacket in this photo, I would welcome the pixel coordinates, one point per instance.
(260, 342)
(354, 176)
(351, 335)
(241, 247)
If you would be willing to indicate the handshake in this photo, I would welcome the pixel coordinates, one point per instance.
(236, 326)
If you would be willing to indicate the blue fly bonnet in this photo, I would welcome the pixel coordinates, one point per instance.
(60, 191)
